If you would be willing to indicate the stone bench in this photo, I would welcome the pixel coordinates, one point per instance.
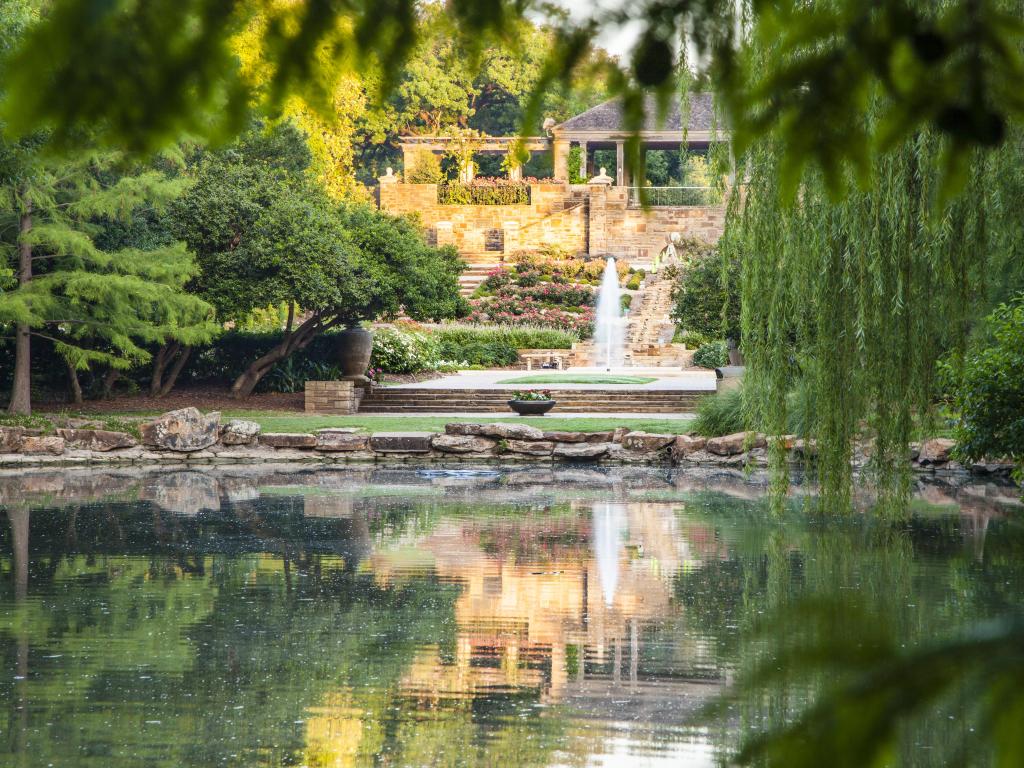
(560, 357)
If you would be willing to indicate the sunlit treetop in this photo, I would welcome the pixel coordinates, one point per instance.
(142, 74)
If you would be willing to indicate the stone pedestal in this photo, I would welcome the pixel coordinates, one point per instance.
(334, 397)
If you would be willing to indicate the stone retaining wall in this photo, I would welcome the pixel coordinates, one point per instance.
(594, 219)
(186, 436)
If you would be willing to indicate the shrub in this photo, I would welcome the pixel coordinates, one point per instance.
(404, 351)
(484, 191)
(495, 346)
(635, 280)
(989, 393)
(577, 173)
(714, 354)
(426, 169)
(699, 294)
(691, 339)
(720, 414)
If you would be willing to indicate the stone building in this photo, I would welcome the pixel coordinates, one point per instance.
(605, 216)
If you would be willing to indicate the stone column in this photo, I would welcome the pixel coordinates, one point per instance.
(560, 152)
(620, 163)
(584, 161)
(388, 190)
(467, 172)
(597, 194)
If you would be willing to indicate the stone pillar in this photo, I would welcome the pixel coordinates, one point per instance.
(620, 163)
(584, 161)
(515, 172)
(409, 158)
(388, 190)
(467, 172)
(335, 397)
(560, 152)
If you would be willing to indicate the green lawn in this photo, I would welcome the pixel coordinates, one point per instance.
(569, 378)
(276, 422)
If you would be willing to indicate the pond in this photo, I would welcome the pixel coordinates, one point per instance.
(278, 616)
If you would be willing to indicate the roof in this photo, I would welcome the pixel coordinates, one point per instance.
(608, 116)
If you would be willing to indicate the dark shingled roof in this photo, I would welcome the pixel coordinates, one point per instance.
(608, 116)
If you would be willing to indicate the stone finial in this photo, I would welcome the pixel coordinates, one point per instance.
(601, 178)
(388, 177)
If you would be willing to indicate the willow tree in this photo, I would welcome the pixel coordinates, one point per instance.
(861, 271)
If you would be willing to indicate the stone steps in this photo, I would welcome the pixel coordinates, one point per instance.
(384, 400)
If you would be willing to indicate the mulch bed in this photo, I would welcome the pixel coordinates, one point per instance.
(203, 398)
(206, 399)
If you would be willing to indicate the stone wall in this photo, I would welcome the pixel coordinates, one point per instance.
(593, 219)
(334, 397)
(187, 436)
(552, 218)
(618, 230)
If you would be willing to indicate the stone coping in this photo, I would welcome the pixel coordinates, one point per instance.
(206, 441)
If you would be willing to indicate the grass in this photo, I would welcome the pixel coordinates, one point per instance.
(276, 422)
(570, 378)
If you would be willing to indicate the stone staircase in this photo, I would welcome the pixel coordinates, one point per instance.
(649, 330)
(474, 274)
(423, 400)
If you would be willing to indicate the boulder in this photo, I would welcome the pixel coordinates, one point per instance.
(96, 439)
(463, 444)
(580, 450)
(684, 445)
(567, 437)
(341, 440)
(531, 447)
(185, 429)
(619, 433)
(401, 442)
(287, 440)
(48, 444)
(462, 428)
(736, 443)
(11, 437)
(805, 448)
(646, 442)
(936, 451)
(511, 431)
(240, 432)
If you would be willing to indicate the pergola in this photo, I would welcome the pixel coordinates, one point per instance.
(601, 127)
(598, 128)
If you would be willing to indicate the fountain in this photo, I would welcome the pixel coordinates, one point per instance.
(609, 334)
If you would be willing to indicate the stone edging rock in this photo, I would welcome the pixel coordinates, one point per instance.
(188, 436)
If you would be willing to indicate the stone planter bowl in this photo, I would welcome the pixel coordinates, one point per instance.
(531, 407)
(353, 347)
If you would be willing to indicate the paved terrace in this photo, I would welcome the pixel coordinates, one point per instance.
(664, 381)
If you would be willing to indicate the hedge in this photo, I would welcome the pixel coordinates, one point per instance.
(484, 192)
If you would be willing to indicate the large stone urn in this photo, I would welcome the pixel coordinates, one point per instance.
(353, 347)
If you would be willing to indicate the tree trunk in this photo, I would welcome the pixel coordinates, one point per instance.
(172, 376)
(74, 385)
(159, 384)
(159, 364)
(109, 380)
(21, 392)
(292, 342)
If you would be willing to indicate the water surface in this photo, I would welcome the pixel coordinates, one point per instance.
(389, 617)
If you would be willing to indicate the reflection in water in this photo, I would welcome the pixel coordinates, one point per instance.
(608, 530)
(354, 617)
